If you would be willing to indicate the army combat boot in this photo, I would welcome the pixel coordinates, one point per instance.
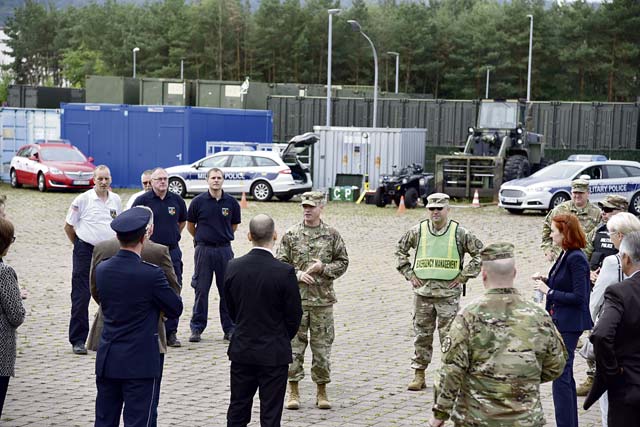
(584, 388)
(293, 402)
(322, 401)
(418, 382)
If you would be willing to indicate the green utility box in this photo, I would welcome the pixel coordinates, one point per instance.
(344, 194)
(113, 90)
(165, 92)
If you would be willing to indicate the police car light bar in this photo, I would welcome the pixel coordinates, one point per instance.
(587, 158)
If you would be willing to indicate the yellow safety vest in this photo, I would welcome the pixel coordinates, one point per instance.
(437, 257)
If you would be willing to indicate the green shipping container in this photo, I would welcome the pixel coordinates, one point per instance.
(218, 94)
(113, 90)
(256, 98)
(166, 92)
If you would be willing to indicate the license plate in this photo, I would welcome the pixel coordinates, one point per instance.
(81, 182)
(510, 200)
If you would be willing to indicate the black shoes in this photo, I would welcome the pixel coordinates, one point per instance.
(79, 348)
(195, 336)
(172, 340)
(227, 336)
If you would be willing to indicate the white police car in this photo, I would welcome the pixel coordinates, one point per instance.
(261, 174)
(551, 186)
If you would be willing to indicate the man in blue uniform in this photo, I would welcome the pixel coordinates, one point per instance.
(169, 219)
(212, 219)
(132, 294)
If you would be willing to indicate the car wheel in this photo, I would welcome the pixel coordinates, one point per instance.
(284, 197)
(14, 179)
(379, 198)
(261, 191)
(634, 206)
(42, 183)
(558, 199)
(177, 186)
(411, 198)
(516, 211)
(516, 167)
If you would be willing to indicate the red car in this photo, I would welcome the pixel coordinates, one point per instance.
(50, 164)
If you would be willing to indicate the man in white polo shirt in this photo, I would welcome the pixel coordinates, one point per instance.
(87, 224)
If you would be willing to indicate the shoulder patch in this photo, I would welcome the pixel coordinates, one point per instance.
(446, 344)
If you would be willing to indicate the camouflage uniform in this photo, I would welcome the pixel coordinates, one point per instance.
(434, 300)
(499, 349)
(299, 247)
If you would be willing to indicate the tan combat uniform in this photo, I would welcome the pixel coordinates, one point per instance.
(589, 217)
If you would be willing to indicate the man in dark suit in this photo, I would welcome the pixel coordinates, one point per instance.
(132, 294)
(616, 342)
(264, 303)
(153, 253)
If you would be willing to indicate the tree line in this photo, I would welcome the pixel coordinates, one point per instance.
(580, 51)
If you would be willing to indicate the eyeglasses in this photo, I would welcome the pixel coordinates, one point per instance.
(435, 209)
(146, 182)
(608, 210)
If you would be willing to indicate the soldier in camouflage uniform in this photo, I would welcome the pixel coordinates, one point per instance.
(588, 215)
(437, 276)
(319, 256)
(499, 349)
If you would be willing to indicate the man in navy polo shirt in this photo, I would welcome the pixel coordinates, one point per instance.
(169, 219)
(212, 219)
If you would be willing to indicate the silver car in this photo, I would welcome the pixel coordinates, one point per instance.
(551, 186)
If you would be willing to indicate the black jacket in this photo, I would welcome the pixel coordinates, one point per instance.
(263, 300)
(616, 341)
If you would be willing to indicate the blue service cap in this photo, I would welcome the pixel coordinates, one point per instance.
(131, 223)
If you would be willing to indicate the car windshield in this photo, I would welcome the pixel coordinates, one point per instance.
(498, 115)
(61, 155)
(558, 171)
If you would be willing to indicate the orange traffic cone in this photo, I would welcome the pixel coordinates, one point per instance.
(243, 201)
(401, 207)
(476, 200)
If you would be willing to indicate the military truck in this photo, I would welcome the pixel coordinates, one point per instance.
(498, 149)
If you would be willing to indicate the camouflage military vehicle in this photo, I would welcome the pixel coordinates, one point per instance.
(498, 149)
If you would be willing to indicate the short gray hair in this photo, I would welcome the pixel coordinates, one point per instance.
(624, 223)
(631, 246)
(500, 267)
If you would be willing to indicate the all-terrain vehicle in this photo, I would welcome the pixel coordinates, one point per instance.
(498, 149)
(411, 182)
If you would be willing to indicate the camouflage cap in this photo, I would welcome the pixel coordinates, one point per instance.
(495, 251)
(580, 185)
(437, 200)
(613, 201)
(312, 198)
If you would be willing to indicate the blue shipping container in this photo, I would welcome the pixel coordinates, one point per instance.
(21, 126)
(130, 139)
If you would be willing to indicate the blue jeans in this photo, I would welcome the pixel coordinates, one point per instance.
(80, 293)
(565, 399)
(209, 261)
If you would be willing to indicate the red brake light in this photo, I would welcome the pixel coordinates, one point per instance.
(286, 171)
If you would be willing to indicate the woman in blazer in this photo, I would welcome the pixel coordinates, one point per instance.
(567, 290)
(11, 311)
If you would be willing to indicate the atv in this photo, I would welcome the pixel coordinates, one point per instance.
(411, 182)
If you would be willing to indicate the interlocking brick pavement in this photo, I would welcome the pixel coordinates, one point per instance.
(371, 353)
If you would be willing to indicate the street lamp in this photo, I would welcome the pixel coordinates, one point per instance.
(135, 50)
(181, 68)
(486, 91)
(530, 53)
(355, 26)
(397, 55)
(331, 13)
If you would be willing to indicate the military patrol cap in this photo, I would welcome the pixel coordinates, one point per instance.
(580, 185)
(312, 198)
(437, 200)
(131, 224)
(495, 251)
(613, 201)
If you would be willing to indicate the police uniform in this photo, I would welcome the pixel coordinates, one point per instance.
(90, 217)
(168, 213)
(438, 261)
(499, 349)
(301, 246)
(599, 244)
(589, 216)
(214, 232)
(132, 294)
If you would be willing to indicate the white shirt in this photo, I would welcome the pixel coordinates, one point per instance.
(610, 274)
(133, 199)
(91, 217)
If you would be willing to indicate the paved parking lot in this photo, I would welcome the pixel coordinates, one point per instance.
(371, 353)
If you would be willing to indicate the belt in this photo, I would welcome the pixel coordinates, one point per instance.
(82, 241)
(214, 245)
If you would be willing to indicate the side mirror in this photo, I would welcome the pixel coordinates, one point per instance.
(35, 157)
(90, 159)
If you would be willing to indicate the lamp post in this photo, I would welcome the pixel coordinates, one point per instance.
(135, 50)
(181, 68)
(486, 91)
(329, 43)
(397, 55)
(355, 26)
(530, 53)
